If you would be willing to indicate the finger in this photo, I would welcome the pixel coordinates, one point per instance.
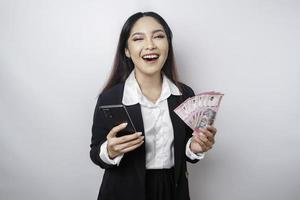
(120, 147)
(204, 143)
(196, 131)
(196, 138)
(208, 144)
(210, 137)
(132, 147)
(128, 138)
(212, 129)
(202, 137)
(113, 132)
(120, 140)
(204, 131)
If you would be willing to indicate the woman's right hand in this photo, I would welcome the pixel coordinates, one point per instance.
(120, 145)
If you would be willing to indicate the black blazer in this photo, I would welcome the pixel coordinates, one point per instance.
(127, 181)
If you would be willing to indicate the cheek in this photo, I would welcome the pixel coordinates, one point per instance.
(164, 46)
(134, 49)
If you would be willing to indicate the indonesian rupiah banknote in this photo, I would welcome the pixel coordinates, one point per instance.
(200, 110)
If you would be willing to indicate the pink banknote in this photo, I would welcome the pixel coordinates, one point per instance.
(200, 110)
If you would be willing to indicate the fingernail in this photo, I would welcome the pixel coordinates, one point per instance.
(124, 124)
(139, 133)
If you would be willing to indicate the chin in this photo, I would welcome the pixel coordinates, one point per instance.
(150, 72)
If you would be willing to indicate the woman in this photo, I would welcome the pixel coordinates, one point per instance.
(149, 164)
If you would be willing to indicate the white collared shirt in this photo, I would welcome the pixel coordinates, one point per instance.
(159, 134)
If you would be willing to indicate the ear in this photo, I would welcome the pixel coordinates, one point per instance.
(127, 53)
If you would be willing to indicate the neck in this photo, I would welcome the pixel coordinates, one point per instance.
(149, 82)
(150, 85)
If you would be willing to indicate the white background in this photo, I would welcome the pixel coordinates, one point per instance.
(55, 57)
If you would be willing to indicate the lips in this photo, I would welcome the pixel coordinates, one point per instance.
(150, 57)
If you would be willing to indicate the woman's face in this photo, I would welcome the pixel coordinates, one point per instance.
(147, 46)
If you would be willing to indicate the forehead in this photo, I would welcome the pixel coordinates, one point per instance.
(146, 25)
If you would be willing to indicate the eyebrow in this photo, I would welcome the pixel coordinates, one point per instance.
(155, 31)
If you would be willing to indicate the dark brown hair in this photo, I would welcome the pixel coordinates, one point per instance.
(123, 65)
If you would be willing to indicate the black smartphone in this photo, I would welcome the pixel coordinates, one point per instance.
(115, 115)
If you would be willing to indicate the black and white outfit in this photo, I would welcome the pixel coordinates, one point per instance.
(157, 169)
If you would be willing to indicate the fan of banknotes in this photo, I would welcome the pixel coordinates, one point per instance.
(200, 110)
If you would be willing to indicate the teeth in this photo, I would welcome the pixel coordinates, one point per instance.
(150, 56)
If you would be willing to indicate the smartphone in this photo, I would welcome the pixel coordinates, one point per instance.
(115, 115)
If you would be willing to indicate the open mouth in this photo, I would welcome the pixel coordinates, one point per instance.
(150, 57)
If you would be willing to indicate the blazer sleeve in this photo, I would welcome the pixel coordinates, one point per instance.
(188, 92)
(99, 133)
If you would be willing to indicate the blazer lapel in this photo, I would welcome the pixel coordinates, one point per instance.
(179, 134)
(140, 153)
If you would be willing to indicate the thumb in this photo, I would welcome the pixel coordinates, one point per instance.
(113, 132)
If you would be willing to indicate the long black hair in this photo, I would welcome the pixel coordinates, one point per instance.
(123, 65)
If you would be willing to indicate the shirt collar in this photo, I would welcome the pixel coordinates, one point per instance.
(132, 93)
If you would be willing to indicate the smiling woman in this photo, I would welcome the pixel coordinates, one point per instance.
(151, 163)
(147, 47)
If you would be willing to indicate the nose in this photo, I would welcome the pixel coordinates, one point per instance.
(150, 44)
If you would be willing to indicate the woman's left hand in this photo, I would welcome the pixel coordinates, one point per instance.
(203, 139)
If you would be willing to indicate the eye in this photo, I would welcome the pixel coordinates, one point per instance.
(159, 36)
(137, 39)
